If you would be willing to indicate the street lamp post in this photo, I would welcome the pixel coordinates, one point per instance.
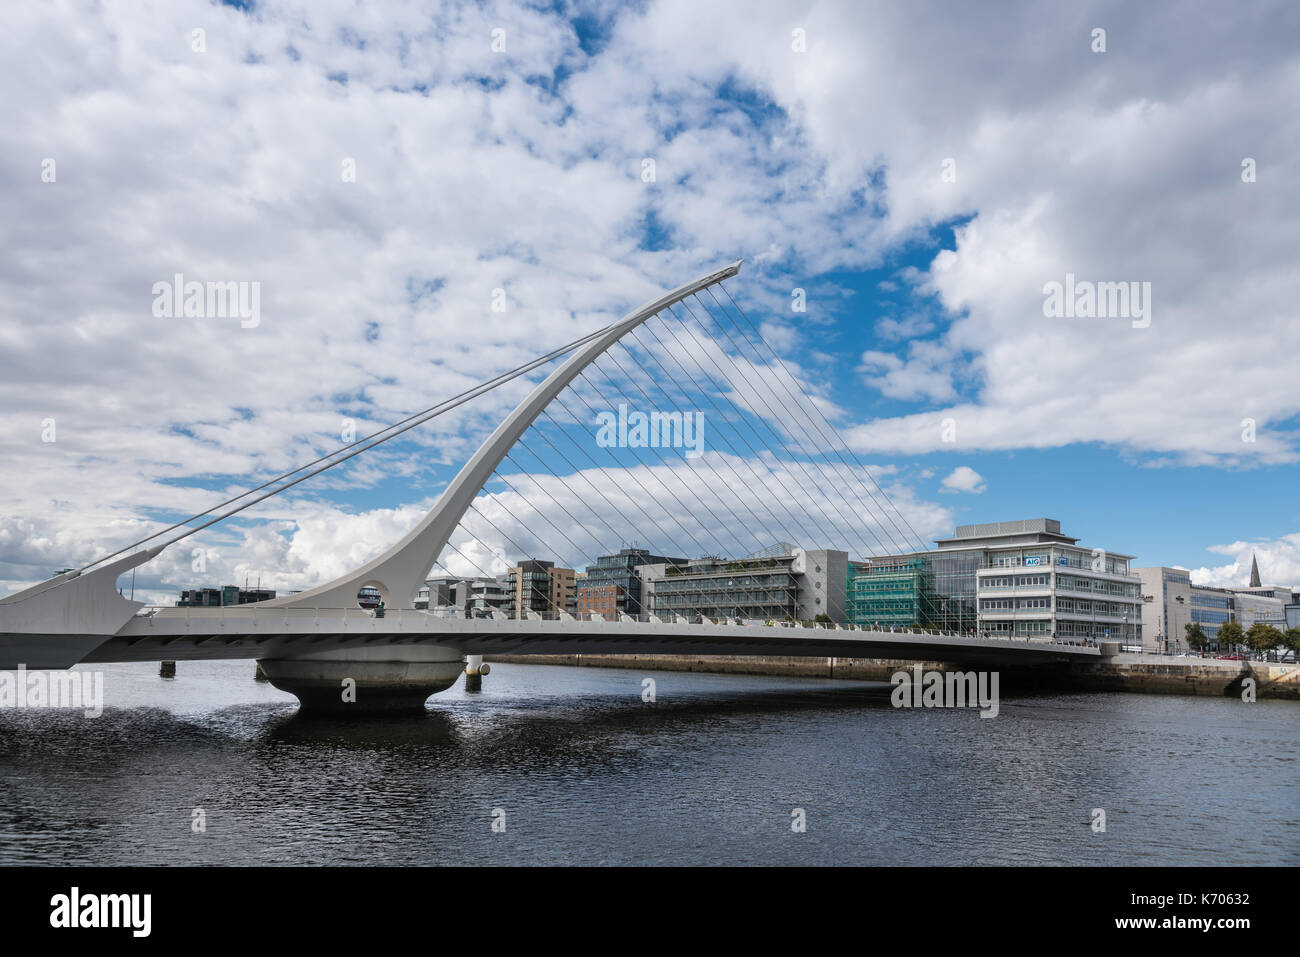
(1179, 599)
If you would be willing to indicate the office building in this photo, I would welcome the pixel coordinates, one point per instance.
(539, 587)
(600, 598)
(1021, 579)
(474, 597)
(621, 571)
(1170, 602)
(781, 582)
(894, 591)
(1260, 603)
(225, 595)
(437, 593)
(1251, 608)
(1168, 608)
(920, 588)
(1211, 608)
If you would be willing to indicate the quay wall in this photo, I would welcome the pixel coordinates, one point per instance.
(1145, 674)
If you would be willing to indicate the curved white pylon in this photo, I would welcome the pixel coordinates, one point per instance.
(400, 571)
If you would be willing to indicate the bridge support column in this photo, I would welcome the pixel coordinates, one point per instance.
(358, 681)
(475, 671)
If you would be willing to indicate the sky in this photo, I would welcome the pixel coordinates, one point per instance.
(427, 195)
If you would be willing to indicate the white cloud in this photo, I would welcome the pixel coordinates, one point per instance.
(1279, 563)
(964, 479)
(1112, 167)
(915, 324)
(926, 373)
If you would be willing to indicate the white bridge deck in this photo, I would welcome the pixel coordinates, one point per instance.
(249, 632)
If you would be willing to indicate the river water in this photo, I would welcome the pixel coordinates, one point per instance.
(581, 770)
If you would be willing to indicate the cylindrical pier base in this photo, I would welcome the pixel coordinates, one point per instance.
(167, 669)
(366, 681)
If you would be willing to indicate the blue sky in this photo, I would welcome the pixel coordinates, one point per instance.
(385, 177)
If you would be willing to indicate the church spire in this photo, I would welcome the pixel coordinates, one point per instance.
(1254, 572)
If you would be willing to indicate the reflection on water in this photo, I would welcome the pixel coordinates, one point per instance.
(587, 773)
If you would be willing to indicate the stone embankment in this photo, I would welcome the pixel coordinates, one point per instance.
(1147, 674)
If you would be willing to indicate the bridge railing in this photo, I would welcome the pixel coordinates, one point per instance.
(403, 618)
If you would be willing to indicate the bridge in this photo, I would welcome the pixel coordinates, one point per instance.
(396, 656)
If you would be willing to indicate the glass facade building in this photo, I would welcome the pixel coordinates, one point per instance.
(1210, 609)
(895, 593)
(1020, 579)
(620, 570)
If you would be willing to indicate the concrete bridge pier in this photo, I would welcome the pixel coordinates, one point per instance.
(366, 680)
(475, 671)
